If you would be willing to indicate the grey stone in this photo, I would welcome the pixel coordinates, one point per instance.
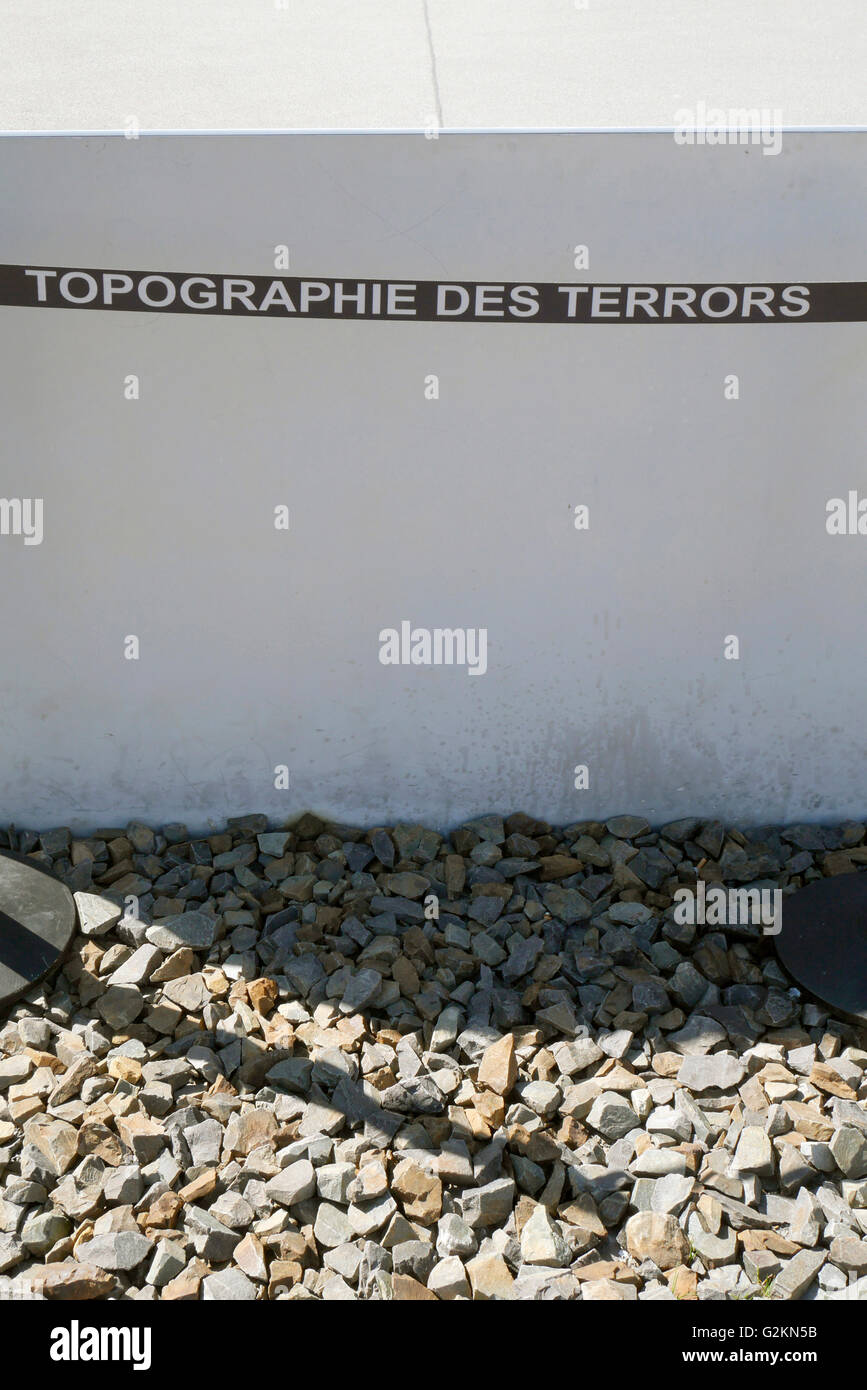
(577, 1056)
(448, 1279)
(415, 1096)
(611, 1115)
(293, 1184)
(336, 1290)
(798, 1274)
(168, 1262)
(14, 1070)
(754, 1153)
(715, 1072)
(849, 1147)
(849, 1254)
(567, 904)
(205, 1142)
(807, 1221)
(120, 1251)
(11, 1252)
(627, 827)
(698, 1036)
(123, 1185)
(455, 1237)
(542, 1242)
(332, 1226)
(657, 1163)
(213, 1241)
(96, 915)
(333, 1180)
(414, 1257)
(671, 1193)
(541, 1096)
(488, 1205)
(120, 1006)
(43, 1230)
(304, 973)
(194, 929)
(137, 968)
(293, 1072)
(485, 910)
(233, 1210)
(714, 1251)
(360, 990)
(761, 1265)
(228, 1285)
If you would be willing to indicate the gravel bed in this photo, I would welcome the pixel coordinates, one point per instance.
(321, 1062)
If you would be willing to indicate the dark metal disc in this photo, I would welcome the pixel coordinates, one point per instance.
(37, 922)
(823, 941)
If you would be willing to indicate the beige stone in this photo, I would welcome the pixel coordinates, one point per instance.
(263, 994)
(607, 1269)
(667, 1064)
(554, 866)
(251, 1129)
(179, 963)
(405, 1289)
(125, 1069)
(24, 1108)
(200, 1187)
(162, 1213)
(420, 1193)
(96, 1138)
(581, 1215)
(825, 1078)
(75, 1075)
(249, 1256)
(652, 1236)
(69, 1279)
(683, 1282)
(608, 1291)
(767, 1240)
(809, 1121)
(185, 1287)
(491, 1107)
(490, 1278)
(56, 1141)
(571, 1133)
(498, 1069)
(142, 1136)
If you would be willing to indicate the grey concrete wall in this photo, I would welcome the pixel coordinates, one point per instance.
(260, 648)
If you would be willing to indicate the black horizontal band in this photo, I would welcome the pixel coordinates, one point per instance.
(429, 301)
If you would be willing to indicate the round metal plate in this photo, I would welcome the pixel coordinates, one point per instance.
(37, 922)
(823, 941)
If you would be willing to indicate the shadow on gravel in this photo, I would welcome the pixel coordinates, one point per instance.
(507, 1007)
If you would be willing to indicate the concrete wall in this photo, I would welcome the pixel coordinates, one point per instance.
(390, 64)
(260, 648)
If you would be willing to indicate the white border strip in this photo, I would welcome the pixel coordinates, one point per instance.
(418, 130)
